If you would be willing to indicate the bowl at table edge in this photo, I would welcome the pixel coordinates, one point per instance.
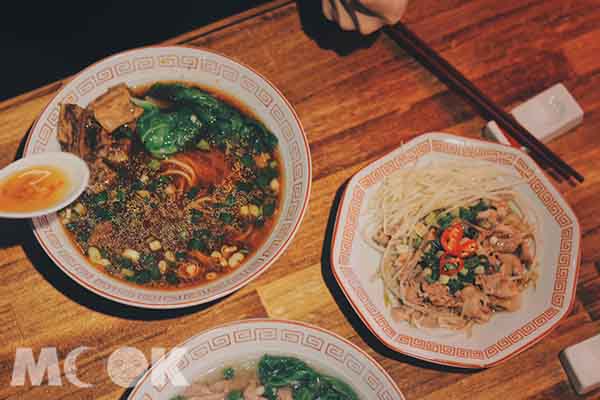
(240, 341)
(213, 72)
(507, 334)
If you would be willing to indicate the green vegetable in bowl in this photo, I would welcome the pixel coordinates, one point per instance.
(279, 373)
(235, 395)
(166, 133)
(224, 125)
(276, 372)
(229, 373)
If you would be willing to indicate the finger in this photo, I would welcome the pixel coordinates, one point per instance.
(359, 7)
(351, 13)
(344, 19)
(368, 24)
(397, 13)
(368, 21)
(327, 9)
(390, 11)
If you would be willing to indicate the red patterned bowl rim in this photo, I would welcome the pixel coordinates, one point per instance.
(223, 292)
(434, 357)
(289, 324)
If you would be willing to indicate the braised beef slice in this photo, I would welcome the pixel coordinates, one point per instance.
(77, 130)
(114, 108)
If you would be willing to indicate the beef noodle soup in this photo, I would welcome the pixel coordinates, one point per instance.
(271, 377)
(184, 184)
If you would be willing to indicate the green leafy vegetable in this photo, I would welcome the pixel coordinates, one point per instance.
(137, 185)
(101, 197)
(277, 372)
(154, 272)
(223, 124)
(123, 132)
(149, 263)
(120, 195)
(235, 395)
(468, 214)
(244, 187)
(102, 213)
(153, 186)
(481, 206)
(226, 217)
(229, 373)
(468, 278)
(455, 285)
(284, 371)
(147, 260)
(269, 209)
(335, 385)
(230, 200)
(197, 244)
(431, 260)
(125, 262)
(142, 277)
(166, 133)
(472, 262)
(471, 232)
(192, 193)
(196, 216)
(444, 221)
(83, 236)
(247, 160)
(265, 175)
(172, 278)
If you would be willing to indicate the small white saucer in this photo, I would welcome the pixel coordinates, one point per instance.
(73, 167)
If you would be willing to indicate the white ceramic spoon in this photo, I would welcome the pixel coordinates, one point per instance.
(73, 167)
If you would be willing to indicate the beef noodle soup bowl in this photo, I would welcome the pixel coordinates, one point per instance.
(200, 174)
(185, 185)
(266, 359)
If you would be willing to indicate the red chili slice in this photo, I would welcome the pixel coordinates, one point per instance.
(451, 265)
(468, 247)
(451, 238)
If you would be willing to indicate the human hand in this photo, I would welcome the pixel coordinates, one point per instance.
(366, 16)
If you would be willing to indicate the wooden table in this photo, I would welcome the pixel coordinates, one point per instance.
(354, 108)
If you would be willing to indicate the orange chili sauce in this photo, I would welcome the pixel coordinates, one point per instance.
(33, 189)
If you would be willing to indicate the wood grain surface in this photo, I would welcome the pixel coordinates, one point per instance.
(354, 107)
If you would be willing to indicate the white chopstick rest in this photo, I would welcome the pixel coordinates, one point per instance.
(547, 115)
(582, 364)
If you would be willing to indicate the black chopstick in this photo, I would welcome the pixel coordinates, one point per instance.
(448, 74)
